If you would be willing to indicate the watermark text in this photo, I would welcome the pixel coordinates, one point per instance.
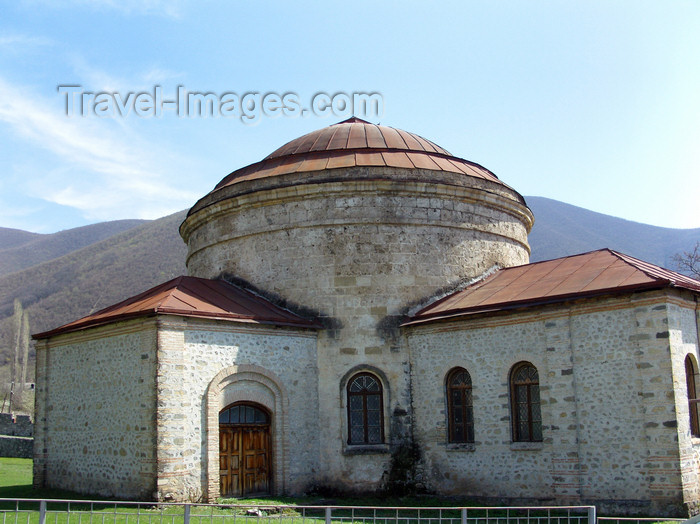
(249, 107)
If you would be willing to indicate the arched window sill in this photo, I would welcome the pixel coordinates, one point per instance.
(526, 446)
(461, 446)
(366, 449)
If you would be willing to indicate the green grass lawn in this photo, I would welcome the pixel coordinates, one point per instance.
(16, 482)
(15, 478)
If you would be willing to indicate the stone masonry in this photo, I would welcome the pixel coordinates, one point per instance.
(353, 230)
(203, 366)
(16, 425)
(611, 436)
(95, 411)
(138, 447)
(16, 432)
(356, 248)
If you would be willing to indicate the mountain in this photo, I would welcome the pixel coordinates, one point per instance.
(21, 249)
(115, 260)
(15, 237)
(90, 278)
(562, 229)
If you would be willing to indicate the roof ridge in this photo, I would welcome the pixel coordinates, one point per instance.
(256, 294)
(649, 269)
(560, 258)
(182, 285)
(168, 284)
(353, 120)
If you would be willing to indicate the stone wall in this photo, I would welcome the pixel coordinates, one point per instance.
(16, 425)
(203, 366)
(95, 411)
(17, 447)
(389, 231)
(357, 248)
(606, 382)
(683, 338)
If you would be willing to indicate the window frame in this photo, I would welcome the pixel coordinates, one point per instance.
(533, 407)
(243, 404)
(691, 375)
(365, 422)
(467, 408)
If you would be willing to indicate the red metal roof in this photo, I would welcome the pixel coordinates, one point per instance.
(355, 142)
(578, 276)
(191, 297)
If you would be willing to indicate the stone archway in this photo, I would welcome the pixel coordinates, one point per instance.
(246, 384)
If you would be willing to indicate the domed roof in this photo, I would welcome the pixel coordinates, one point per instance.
(355, 142)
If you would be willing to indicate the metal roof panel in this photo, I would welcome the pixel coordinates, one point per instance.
(375, 139)
(392, 138)
(397, 159)
(193, 297)
(358, 139)
(577, 276)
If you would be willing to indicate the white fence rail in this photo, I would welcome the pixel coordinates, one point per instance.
(634, 520)
(36, 511)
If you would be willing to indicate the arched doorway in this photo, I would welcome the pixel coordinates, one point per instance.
(244, 450)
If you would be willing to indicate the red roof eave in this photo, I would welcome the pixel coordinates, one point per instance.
(191, 297)
(91, 323)
(539, 301)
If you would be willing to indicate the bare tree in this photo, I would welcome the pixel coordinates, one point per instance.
(14, 370)
(25, 350)
(689, 261)
(18, 371)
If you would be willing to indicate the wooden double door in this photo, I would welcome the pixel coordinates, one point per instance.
(244, 451)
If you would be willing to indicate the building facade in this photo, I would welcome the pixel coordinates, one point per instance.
(360, 315)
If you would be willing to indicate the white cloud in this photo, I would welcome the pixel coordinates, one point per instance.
(23, 41)
(98, 80)
(157, 75)
(103, 169)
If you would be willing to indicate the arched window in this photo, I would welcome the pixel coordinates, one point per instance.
(365, 410)
(243, 414)
(460, 419)
(691, 374)
(525, 403)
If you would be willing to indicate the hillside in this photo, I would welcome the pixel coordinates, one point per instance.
(562, 229)
(15, 237)
(87, 279)
(21, 249)
(105, 271)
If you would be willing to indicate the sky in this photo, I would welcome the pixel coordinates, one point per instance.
(595, 103)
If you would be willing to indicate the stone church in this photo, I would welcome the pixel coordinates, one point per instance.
(360, 314)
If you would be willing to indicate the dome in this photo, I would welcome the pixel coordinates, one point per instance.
(353, 225)
(355, 198)
(356, 143)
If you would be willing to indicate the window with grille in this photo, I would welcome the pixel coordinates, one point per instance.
(460, 420)
(365, 410)
(691, 373)
(525, 403)
(243, 414)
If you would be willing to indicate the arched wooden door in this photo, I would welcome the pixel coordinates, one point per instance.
(244, 450)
